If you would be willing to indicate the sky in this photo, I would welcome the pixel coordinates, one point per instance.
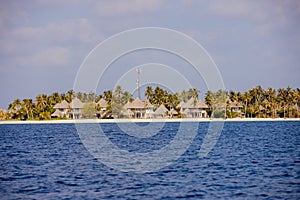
(44, 42)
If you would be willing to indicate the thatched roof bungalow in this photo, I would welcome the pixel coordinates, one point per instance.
(61, 109)
(76, 109)
(193, 108)
(139, 108)
(161, 112)
(102, 104)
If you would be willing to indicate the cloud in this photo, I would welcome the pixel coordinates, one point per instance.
(79, 30)
(55, 44)
(257, 10)
(267, 15)
(50, 57)
(242, 8)
(67, 33)
(121, 7)
(11, 14)
(59, 2)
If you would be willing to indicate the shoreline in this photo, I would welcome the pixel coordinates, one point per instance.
(71, 121)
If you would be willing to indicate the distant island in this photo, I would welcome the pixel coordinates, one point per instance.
(158, 103)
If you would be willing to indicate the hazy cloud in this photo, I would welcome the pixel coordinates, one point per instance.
(121, 7)
(245, 38)
(268, 15)
(60, 2)
(50, 57)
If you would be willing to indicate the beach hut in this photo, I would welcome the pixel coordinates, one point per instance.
(76, 109)
(102, 104)
(101, 108)
(173, 112)
(140, 109)
(61, 109)
(181, 104)
(235, 106)
(127, 113)
(137, 107)
(149, 109)
(161, 112)
(56, 114)
(193, 108)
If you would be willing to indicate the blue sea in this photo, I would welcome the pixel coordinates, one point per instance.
(250, 160)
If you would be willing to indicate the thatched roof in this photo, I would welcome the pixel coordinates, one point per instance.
(62, 105)
(173, 112)
(181, 104)
(57, 113)
(148, 104)
(194, 103)
(235, 105)
(137, 103)
(201, 104)
(102, 103)
(186, 111)
(161, 110)
(76, 103)
(127, 105)
(261, 107)
(128, 113)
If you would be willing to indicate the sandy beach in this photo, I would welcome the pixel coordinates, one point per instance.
(144, 120)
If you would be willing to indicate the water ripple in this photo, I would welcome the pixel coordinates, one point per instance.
(252, 160)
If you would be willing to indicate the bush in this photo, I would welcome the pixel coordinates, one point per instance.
(218, 114)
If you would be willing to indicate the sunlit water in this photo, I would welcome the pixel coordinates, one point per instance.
(253, 160)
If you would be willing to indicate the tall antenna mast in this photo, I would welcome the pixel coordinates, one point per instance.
(138, 70)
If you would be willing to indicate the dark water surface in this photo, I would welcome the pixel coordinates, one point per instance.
(252, 160)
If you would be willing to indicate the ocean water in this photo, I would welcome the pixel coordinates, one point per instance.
(251, 160)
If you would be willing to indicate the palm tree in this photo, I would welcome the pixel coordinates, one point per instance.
(296, 101)
(269, 99)
(228, 105)
(91, 97)
(108, 98)
(195, 93)
(289, 99)
(2, 114)
(149, 93)
(126, 96)
(233, 96)
(281, 99)
(55, 97)
(28, 106)
(15, 109)
(208, 98)
(116, 103)
(256, 93)
(246, 98)
(100, 96)
(80, 96)
(69, 96)
(41, 102)
(157, 96)
(183, 96)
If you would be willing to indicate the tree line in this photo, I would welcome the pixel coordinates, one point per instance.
(256, 102)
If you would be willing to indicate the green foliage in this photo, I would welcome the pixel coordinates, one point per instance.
(160, 96)
(45, 115)
(89, 110)
(256, 102)
(3, 115)
(218, 114)
(119, 98)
